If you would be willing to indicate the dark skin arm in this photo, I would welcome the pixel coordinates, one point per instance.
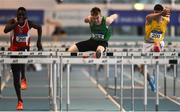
(11, 24)
(166, 13)
(39, 31)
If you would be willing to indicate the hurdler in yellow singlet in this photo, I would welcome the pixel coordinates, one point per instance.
(155, 31)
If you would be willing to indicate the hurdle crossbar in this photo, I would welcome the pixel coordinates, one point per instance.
(53, 53)
(118, 61)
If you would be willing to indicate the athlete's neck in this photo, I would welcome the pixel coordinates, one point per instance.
(100, 21)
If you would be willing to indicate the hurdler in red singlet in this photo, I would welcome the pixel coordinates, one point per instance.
(20, 38)
(20, 41)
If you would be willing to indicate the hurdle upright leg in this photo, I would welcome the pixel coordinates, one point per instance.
(54, 87)
(132, 85)
(121, 85)
(165, 79)
(68, 87)
(174, 79)
(145, 87)
(157, 86)
(61, 83)
(50, 85)
(107, 76)
(96, 74)
(115, 80)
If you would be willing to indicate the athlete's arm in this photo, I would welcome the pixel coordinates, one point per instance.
(152, 16)
(39, 31)
(87, 19)
(168, 14)
(11, 24)
(111, 18)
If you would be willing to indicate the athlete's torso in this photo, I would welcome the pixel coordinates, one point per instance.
(100, 32)
(156, 30)
(19, 37)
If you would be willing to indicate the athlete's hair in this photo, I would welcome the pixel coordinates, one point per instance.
(21, 8)
(158, 7)
(95, 11)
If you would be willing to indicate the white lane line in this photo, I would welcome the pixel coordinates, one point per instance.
(140, 82)
(26, 97)
(101, 89)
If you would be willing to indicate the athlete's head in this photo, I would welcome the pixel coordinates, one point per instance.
(21, 15)
(158, 8)
(96, 15)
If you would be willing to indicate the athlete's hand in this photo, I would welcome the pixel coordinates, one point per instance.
(39, 46)
(87, 19)
(166, 12)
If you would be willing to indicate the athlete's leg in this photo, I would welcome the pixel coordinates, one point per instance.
(16, 79)
(146, 48)
(142, 72)
(23, 77)
(73, 49)
(100, 49)
(150, 78)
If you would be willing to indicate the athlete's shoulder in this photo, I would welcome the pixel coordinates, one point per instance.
(12, 21)
(30, 23)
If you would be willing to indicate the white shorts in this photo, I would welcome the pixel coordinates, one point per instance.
(147, 47)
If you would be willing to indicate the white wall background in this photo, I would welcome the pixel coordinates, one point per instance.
(66, 14)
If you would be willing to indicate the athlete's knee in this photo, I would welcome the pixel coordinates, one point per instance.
(100, 48)
(156, 48)
(73, 48)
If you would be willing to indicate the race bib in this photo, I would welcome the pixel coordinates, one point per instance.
(155, 34)
(97, 36)
(22, 38)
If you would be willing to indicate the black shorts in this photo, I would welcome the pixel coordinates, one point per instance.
(90, 45)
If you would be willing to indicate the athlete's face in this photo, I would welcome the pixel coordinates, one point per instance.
(96, 19)
(21, 16)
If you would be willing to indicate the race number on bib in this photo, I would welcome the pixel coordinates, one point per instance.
(22, 38)
(155, 34)
(97, 36)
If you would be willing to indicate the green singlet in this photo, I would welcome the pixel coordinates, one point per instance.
(100, 32)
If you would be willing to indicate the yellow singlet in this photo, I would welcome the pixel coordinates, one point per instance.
(155, 31)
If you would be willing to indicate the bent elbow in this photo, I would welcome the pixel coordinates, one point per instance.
(5, 31)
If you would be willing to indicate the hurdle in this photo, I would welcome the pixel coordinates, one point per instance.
(53, 75)
(119, 59)
(109, 49)
(123, 61)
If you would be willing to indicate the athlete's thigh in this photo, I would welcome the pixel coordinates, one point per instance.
(102, 45)
(147, 47)
(88, 45)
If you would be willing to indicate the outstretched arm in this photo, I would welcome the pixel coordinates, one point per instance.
(152, 16)
(11, 24)
(111, 18)
(87, 19)
(165, 13)
(39, 31)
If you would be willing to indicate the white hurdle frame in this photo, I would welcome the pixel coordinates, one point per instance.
(123, 61)
(61, 58)
(53, 76)
(109, 49)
